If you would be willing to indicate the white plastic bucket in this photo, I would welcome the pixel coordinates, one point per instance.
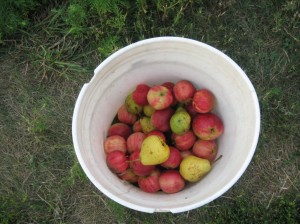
(154, 61)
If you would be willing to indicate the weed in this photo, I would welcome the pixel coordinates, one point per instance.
(14, 15)
(118, 210)
(76, 174)
(11, 208)
(109, 45)
(76, 15)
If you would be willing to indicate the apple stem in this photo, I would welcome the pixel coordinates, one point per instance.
(213, 162)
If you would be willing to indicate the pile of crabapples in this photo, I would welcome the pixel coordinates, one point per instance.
(164, 136)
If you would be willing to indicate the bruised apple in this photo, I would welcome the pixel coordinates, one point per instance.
(207, 126)
(185, 141)
(190, 109)
(170, 86)
(119, 129)
(206, 149)
(115, 143)
(136, 127)
(174, 159)
(171, 181)
(125, 116)
(117, 161)
(150, 183)
(184, 91)
(134, 141)
(160, 97)
(139, 95)
(203, 101)
(161, 119)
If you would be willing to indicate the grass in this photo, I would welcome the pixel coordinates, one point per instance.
(44, 67)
